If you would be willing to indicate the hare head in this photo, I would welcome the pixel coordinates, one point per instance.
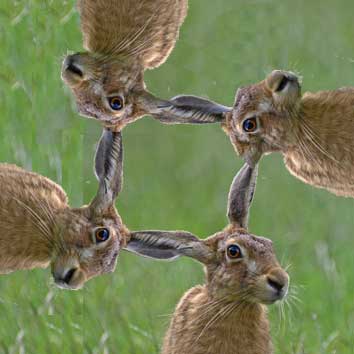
(112, 91)
(39, 228)
(91, 236)
(239, 266)
(123, 38)
(261, 119)
(264, 116)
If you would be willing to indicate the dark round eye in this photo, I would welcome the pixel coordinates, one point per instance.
(116, 103)
(250, 125)
(101, 235)
(234, 252)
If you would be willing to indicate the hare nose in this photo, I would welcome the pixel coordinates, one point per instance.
(69, 275)
(276, 284)
(71, 65)
(278, 280)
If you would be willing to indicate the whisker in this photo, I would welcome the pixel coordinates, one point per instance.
(42, 226)
(315, 140)
(57, 243)
(121, 47)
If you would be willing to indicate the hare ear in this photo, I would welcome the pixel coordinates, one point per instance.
(187, 110)
(241, 195)
(168, 245)
(108, 169)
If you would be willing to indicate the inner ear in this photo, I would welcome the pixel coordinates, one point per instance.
(168, 245)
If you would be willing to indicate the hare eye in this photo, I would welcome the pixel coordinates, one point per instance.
(116, 103)
(250, 125)
(234, 252)
(101, 235)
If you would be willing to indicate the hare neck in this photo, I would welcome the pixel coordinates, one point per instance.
(323, 155)
(205, 324)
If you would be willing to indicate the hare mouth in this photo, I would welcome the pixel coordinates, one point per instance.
(273, 297)
(65, 286)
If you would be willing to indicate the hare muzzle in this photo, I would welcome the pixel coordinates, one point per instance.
(73, 72)
(68, 275)
(273, 286)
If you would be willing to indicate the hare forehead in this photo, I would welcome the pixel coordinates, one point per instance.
(253, 244)
(251, 100)
(122, 72)
(115, 83)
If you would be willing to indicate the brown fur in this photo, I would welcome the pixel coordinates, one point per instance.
(227, 315)
(38, 229)
(314, 132)
(123, 38)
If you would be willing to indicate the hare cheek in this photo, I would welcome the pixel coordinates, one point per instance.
(242, 138)
(241, 148)
(252, 267)
(97, 89)
(87, 254)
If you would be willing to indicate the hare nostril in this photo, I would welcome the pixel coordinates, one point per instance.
(283, 83)
(69, 274)
(275, 284)
(71, 65)
(74, 69)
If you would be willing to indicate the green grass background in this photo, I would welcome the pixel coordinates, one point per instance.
(177, 177)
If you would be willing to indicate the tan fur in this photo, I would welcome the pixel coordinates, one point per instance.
(123, 38)
(107, 24)
(38, 229)
(227, 315)
(314, 132)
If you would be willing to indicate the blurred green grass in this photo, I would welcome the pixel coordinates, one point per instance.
(177, 177)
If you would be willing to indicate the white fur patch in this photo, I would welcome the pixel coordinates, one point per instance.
(97, 88)
(252, 266)
(86, 254)
(264, 106)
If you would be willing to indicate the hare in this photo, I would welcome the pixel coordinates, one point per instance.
(273, 116)
(226, 315)
(40, 229)
(123, 38)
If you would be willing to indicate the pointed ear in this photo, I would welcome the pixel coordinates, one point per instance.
(169, 245)
(241, 195)
(187, 110)
(108, 169)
